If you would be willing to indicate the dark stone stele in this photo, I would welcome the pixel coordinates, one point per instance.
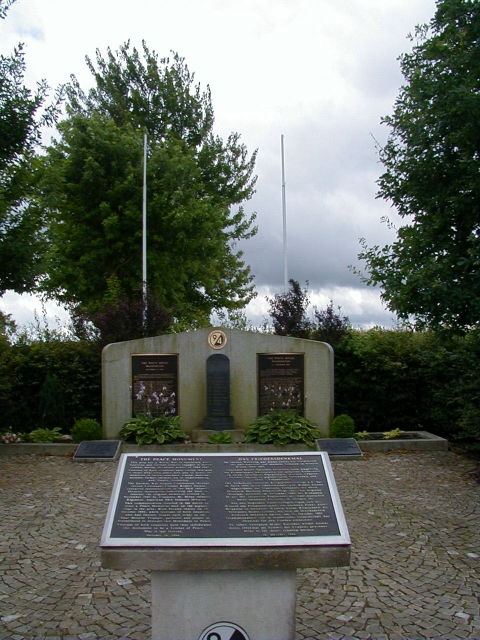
(344, 447)
(98, 450)
(218, 393)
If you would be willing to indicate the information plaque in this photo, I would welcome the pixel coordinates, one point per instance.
(281, 382)
(224, 499)
(155, 384)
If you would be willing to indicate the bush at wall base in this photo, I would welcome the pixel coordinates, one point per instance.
(86, 429)
(147, 430)
(342, 426)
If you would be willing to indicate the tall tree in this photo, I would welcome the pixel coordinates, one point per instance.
(432, 176)
(21, 118)
(92, 191)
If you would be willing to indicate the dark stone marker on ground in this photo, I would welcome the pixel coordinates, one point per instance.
(97, 451)
(341, 447)
(218, 393)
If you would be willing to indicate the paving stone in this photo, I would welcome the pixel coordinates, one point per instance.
(421, 584)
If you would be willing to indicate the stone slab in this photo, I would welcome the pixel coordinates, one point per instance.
(225, 558)
(340, 448)
(218, 415)
(98, 451)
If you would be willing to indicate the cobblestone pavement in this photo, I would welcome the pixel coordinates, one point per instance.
(414, 519)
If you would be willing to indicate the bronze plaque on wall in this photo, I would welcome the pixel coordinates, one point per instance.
(155, 384)
(280, 382)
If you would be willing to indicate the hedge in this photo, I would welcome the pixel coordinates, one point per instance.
(49, 384)
(384, 380)
(407, 380)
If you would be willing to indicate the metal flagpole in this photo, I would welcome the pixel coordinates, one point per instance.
(284, 210)
(144, 234)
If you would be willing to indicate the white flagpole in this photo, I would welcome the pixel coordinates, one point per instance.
(144, 233)
(284, 211)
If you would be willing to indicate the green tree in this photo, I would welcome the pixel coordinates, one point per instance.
(432, 168)
(21, 119)
(91, 190)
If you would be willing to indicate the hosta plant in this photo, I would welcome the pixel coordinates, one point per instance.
(147, 430)
(282, 427)
(44, 435)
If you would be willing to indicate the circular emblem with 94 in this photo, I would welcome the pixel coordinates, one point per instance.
(217, 339)
(224, 631)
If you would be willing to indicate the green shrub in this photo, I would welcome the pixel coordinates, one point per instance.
(282, 427)
(220, 437)
(44, 435)
(147, 430)
(342, 426)
(86, 429)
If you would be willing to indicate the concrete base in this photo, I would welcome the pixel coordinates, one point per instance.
(186, 603)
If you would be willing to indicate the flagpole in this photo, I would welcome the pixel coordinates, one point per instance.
(144, 233)
(284, 212)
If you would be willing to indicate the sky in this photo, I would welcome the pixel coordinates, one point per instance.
(322, 73)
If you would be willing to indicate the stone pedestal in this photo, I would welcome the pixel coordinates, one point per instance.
(257, 604)
(235, 593)
(223, 535)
